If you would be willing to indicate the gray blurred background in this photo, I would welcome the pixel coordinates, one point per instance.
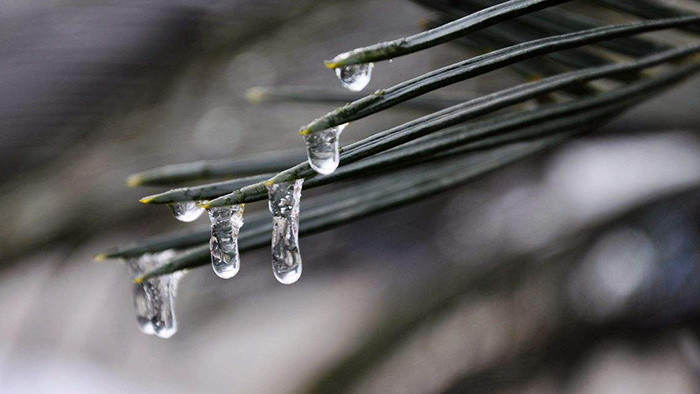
(576, 271)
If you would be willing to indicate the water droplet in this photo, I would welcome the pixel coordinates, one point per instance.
(355, 76)
(154, 299)
(226, 223)
(323, 149)
(186, 211)
(284, 206)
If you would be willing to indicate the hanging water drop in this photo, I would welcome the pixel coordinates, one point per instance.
(226, 223)
(355, 76)
(186, 211)
(323, 149)
(284, 205)
(154, 299)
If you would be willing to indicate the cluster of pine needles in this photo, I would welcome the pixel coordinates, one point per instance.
(582, 65)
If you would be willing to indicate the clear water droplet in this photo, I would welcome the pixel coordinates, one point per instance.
(323, 149)
(355, 77)
(186, 211)
(226, 223)
(154, 299)
(284, 201)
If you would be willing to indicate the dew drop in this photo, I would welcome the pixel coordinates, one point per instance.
(186, 211)
(323, 149)
(226, 223)
(284, 205)
(154, 299)
(355, 77)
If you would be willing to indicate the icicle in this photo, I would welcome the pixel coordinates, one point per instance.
(226, 222)
(154, 299)
(284, 206)
(186, 211)
(323, 149)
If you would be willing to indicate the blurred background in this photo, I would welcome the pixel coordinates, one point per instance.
(576, 271)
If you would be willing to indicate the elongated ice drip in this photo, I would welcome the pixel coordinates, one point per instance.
(154, 299)
(284, 205)
(226, 223)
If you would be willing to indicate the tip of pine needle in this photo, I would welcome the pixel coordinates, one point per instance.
(331, 64)
(100, 257)
(255, 95)
(139, 280)
(134, 180)
(424, 23)
(305, 131)
(204, 204)
(147, 200)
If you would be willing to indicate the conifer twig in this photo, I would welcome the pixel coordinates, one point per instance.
(439, 35)
(394, 137)
(216, 169)
(380, 195)
(478, 65)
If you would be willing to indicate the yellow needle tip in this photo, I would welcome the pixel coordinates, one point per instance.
(100, 257)
(424, 23)
(255, 95)
(134, 180)
(139, 280)
(146, 200)
(305, 131)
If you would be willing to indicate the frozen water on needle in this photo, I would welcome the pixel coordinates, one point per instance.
(186, 211)
(284, 205)
(323, 149)
(154, 299)
(226, 223)
(354, 77)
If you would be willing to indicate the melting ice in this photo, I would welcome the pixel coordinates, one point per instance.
(323, 149)
(226, 223)
(186, 211)
(154, 299)
(284, 206)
